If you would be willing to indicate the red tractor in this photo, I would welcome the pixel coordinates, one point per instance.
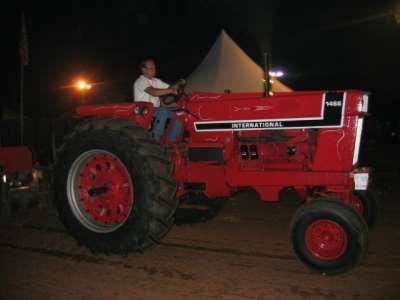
(117, 189)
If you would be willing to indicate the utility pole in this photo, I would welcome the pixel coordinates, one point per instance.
(21, 105)
(24, 60)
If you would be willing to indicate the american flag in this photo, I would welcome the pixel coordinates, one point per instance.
(23, 44)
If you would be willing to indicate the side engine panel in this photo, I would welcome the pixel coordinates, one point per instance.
(285, 140)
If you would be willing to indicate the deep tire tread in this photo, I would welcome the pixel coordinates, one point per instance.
(150, 219)
(341, 213)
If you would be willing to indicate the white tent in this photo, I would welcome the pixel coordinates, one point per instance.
(228, 67)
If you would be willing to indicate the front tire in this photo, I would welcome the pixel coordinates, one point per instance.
(329, 236)
(114, 187)
(365, 203)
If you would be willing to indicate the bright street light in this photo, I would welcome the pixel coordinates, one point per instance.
(83, 85)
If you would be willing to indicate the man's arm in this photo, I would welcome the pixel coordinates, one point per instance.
(160, 92)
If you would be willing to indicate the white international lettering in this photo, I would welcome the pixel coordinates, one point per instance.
(251, 125)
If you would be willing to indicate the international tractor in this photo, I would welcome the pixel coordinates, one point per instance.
(117, 189)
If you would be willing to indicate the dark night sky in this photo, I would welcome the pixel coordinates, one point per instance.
(328, 45)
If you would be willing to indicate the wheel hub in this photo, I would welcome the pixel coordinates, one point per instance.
(326, 239)
(100, 190)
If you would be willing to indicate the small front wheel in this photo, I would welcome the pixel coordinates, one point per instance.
(328, 236)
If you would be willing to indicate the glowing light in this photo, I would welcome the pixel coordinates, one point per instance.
(83, 85)
(276, 73)
(5, 178)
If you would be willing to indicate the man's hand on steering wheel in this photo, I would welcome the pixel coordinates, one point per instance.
(177, 91)
(174, 90)
(180, 86)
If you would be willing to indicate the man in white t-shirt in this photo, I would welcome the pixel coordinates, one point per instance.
(148, 88)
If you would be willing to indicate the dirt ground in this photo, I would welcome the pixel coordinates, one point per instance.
(243, 253)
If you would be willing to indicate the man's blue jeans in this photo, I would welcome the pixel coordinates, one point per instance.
(161, 115)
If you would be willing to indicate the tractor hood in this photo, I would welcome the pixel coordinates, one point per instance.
(118, 109)
(138, 112)
(250, 111)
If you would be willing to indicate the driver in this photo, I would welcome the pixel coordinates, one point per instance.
(148, 88)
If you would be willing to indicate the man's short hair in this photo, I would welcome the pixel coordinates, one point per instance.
(144, 62)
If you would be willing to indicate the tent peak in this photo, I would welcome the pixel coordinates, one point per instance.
(227, 67)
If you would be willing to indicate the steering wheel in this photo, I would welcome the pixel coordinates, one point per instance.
(170, 100)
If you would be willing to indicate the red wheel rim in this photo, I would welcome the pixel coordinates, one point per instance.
(106, 189)
(326, 239)
(357, 204)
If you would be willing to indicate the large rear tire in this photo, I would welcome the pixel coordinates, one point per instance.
(329, 236)
(114, 187)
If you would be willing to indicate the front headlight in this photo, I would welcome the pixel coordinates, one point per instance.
(361, 181)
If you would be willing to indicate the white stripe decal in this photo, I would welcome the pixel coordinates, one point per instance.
(278, 124)
(358, 140)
